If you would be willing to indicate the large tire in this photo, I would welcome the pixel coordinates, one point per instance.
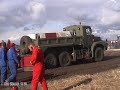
(65, 59)
(98, 54)
(51, 61)
(24, 42)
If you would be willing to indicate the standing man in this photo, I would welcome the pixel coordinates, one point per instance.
(13, 62)
(37, 60)
(3, 62)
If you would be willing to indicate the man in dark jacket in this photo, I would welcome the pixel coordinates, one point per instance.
(3, 63)
(13, 62)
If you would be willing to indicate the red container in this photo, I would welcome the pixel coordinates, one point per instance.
(14, 88)
(51, 35)
(25, 63)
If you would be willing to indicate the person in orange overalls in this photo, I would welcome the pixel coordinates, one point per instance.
(37, 60)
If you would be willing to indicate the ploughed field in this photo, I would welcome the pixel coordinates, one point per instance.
(84, 75)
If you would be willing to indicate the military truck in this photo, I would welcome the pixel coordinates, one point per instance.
(74, 43)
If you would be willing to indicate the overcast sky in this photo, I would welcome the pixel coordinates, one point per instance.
(21, 17)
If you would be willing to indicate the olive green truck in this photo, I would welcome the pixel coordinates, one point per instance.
(74, 43)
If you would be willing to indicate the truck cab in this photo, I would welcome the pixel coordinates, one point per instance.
(83, 31)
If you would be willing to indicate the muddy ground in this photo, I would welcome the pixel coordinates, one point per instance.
(83, 75)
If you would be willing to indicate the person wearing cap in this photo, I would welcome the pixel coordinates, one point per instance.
(3, 62)
(37, 60)
(13, 62)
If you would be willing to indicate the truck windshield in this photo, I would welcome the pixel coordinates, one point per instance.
(88, 31)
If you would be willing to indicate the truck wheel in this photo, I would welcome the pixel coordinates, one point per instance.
(99, 54)
(64, 59)
(50, 61)
(24, 42)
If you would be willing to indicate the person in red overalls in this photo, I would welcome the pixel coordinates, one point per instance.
(37, 60)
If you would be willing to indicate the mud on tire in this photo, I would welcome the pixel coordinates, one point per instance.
(50, 61)
(65, 59)
(98, 54)
(24, 42)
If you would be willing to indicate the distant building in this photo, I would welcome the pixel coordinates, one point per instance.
(114, 44)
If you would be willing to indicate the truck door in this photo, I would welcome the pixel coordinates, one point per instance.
(88, 36)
